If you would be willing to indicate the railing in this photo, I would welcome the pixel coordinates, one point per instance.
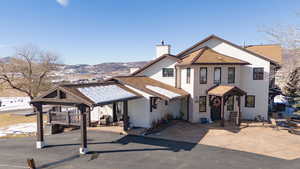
(71, 118)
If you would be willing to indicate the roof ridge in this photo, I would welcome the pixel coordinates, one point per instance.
(230, 43)
(271, 44)
(200, 53)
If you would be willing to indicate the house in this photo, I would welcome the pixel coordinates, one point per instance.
(210, 81)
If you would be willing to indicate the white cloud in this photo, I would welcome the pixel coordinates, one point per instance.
(63, 3)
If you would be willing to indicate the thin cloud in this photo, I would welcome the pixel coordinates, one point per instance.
(63, 3)
(4, 46)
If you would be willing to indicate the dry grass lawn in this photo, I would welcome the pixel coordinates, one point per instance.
(7, 119)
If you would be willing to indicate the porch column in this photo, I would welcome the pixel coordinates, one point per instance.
(239, 111)
(40, 131)
(125, 115)
(115, 119)
(222, 112)
(88, 111)
(83, 147)
(188, 107)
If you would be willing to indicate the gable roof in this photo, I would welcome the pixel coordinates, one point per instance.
(90, 94)
(206, 55)
(183, 53)
(223, 90)
(271, 51)
(151, 86)
(153, 62)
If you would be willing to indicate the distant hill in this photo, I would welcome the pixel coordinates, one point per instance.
(102, 68)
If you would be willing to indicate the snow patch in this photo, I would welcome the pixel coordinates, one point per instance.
(22, 128)
(100, 94)
(162, 91)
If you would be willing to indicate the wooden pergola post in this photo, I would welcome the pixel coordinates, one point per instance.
(115, 119)
(125, 115)
(83, 147)
(222, 112)
(88, 113)
(40, 131)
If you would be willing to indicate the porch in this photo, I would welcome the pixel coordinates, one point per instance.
(219, 95)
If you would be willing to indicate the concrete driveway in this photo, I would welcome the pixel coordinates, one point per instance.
(114, 151)
(251, 137)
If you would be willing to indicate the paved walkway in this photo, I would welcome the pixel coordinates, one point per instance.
(114, 151)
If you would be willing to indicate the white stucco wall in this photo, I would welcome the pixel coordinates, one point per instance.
(155, 71)
(201, 89)
(99, 111)
(189, 88)
(139, 110)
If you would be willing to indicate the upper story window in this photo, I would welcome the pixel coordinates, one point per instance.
(188, 75)
(258, 73)
(168, 72)
(203, 75)
(249, 101)
(231, 75)
(217, 75)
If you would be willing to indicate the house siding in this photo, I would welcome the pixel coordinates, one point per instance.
(155, 71)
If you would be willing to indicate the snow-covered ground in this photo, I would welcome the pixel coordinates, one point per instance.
(14, 103)
(22, 128)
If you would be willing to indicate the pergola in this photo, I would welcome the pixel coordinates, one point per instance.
(224, 92)
(83, 97)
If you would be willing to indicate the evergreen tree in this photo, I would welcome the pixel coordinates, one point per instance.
(292, 86)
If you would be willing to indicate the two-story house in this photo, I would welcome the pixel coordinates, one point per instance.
(211, 63)
(214, 80)
(210, 81)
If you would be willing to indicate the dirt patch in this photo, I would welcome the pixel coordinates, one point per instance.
(254, 138)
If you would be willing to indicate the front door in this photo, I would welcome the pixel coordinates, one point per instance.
(215, 110)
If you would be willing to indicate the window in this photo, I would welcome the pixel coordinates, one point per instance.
(231, 74)
(217, 75)
(258, 73)
(153, 103)
(202, 103)
(203, 75)
(230, 103)
(168, 72)
(188, 75)
(250, 101)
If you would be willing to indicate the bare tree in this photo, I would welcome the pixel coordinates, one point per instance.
(29, 71)
(289, 38)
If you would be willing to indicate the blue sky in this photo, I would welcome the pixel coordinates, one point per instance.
(95, 31)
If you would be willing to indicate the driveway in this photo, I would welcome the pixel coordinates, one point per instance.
(114, 151)
(251, 137)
